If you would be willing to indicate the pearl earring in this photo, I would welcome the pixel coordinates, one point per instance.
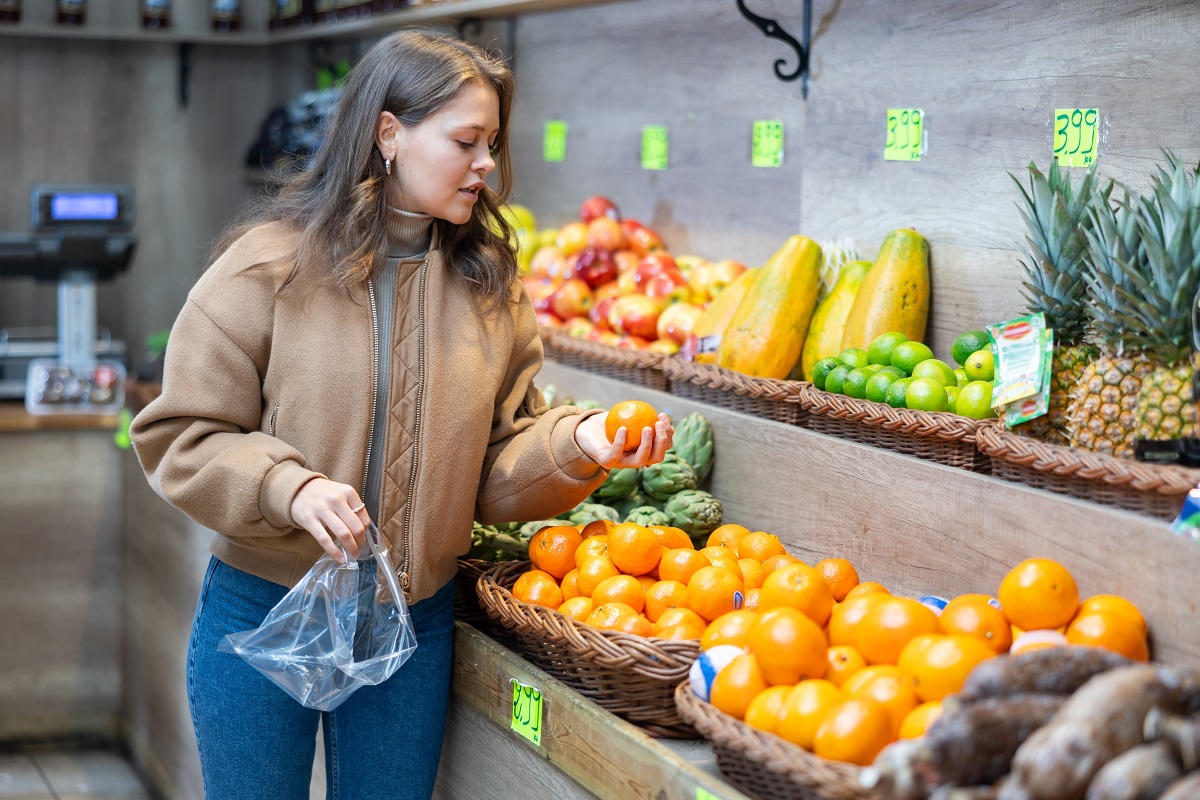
(387, 166)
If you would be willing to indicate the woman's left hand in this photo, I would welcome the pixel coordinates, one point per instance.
(592, 439)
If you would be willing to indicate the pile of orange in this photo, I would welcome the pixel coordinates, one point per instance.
(843, 668)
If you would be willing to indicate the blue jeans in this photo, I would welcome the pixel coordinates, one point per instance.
(255, 741)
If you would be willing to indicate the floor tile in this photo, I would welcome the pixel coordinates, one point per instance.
(19, 778)
(89, 772)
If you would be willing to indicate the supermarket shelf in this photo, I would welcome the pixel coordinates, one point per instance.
(604, 755)
(924, 528)
(14, 417)
(112, 33)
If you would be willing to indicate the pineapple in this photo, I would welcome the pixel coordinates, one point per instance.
(834, 255)
(1102, 413)
(1056, 217)
(1169, 219)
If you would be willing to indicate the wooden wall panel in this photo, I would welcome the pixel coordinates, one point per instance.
(987, 75)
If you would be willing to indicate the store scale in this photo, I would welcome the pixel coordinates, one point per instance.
(81, 234)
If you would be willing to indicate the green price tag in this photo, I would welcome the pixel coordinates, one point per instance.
(554, 141)
(905, 134)
(527, 712)
(705, 794)
(656, 147)
(766, 148)
(1075, 135)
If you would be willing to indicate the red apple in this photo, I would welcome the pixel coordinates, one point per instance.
(539, 265)
(578, 327)
(668, 285)
(652, 265)
(698, 278)
(626, 260)
(635, 315)
(626, 283)
(724, 273)
(572, 237)
(539, 291)
(603, 336)
(662, 346)
(598, 313)
(564, 267)
(572, 299)
(676, 321)
(632, 343)
(596, 266)
(596, 207)
(642, 240)
(607, 290)
(605, 234)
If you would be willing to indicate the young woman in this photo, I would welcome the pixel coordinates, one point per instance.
(363, 350)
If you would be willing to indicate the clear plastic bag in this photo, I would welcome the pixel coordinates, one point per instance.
(339, 628)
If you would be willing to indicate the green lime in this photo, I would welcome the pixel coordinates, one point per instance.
(951, 397)
(981, 366)
(896, 393)
(968, 343)
(853, 357)
(960, 375)
(975, 400)
(926, 394)
(877, 386)
(871, 369)
(880, 350)
(907, 355)
(835, 378)
(895, 372)
(821, 369)
(855, 384)
(940, 371)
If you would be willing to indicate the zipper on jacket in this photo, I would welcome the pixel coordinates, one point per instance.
(374, 383)
(412, 478)
(271, 424)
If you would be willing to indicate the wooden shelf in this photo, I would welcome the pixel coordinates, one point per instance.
(424, 14)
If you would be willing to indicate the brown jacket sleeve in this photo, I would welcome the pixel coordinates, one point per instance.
(533, 468)
(199, 442)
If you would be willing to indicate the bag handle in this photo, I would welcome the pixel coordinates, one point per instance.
(379, 553)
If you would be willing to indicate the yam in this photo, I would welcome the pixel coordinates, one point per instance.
(1050, 670)
(1142, 773)
(1186, 788)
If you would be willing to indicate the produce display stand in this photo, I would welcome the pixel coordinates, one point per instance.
(933, 435)
(639, 367)
(1151, 489)
(762, 397)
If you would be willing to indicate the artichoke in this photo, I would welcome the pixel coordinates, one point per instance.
(647, 515)
(625, 505)
(490, 543)
(668, 477)
(693, 443)
(619, 484)
(588, 405)
(526, 531)
(697, 512)
(586, 512)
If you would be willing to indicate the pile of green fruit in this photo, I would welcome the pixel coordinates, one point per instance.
(904, 374)
(668, 493)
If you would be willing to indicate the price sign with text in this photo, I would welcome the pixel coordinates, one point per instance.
(705, 794)
(527, 712)
(656, 147)
(766, 147)
(554, 141)
(905, 134)
(1075, 136)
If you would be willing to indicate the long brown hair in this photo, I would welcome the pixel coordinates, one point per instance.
(339, 203)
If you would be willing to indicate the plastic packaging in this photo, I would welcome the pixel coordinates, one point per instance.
(341, 627)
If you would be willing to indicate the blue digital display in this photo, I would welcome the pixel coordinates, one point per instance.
(83, 207)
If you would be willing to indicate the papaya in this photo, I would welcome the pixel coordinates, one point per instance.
(824, 339)
(715, 318)
(766, 335)
(894, 295)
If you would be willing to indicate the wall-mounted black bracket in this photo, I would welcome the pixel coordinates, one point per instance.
(186, 60)
(771, 30)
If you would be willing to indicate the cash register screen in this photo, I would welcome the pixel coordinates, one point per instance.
(83, 207)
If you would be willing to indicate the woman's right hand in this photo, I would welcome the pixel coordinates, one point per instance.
(333, 513)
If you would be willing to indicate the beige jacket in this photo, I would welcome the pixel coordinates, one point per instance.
(263, 392)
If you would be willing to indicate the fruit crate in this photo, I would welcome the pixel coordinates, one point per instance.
(639, 367)
(466, 600)
(1153, 490)
(932, 435)
(631, 676)
(764, 765)
(760, 397)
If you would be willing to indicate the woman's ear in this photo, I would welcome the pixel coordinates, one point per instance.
(387, 135)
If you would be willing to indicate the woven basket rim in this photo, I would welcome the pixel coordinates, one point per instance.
(999, 443)
(660, 659)
(774, 754)
(616, 356)
(939, 424)
(711, 376)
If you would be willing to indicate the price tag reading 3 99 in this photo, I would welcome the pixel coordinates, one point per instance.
(905, 134)
(1075, 136)
(527, 712)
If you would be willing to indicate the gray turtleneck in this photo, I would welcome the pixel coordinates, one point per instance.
(408, 236)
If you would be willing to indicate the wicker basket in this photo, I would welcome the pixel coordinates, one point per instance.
(764, 765)
(936, 436)
(1154, 490)
(139, 394)
(466, 600)
(639, 367)
(762, 397)
(632, 677)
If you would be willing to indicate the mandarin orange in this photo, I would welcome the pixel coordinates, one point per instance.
(1113, 604)
(633, 548)
(577, 608)
(891, 686)
(1038, 594)
(842, 661)
(663, 596)
(680, 564)
(854, 731)
(1115, 632)
(840, 574)
(713, 591)
(760, 546)
(620, 589)
(976, 617)
(538, 588)
(867, 587)
(804, 709)
(917, 721)
(732, 627)
(764, 710)
(610, 616)
(737, 685)
(672, 538)
(592, 571)
(801, 587)
(889, 625)
(727, 535)
(790, 647)
(680, 616)
(632, 415)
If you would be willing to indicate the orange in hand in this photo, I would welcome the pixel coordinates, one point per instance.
(632, 415)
